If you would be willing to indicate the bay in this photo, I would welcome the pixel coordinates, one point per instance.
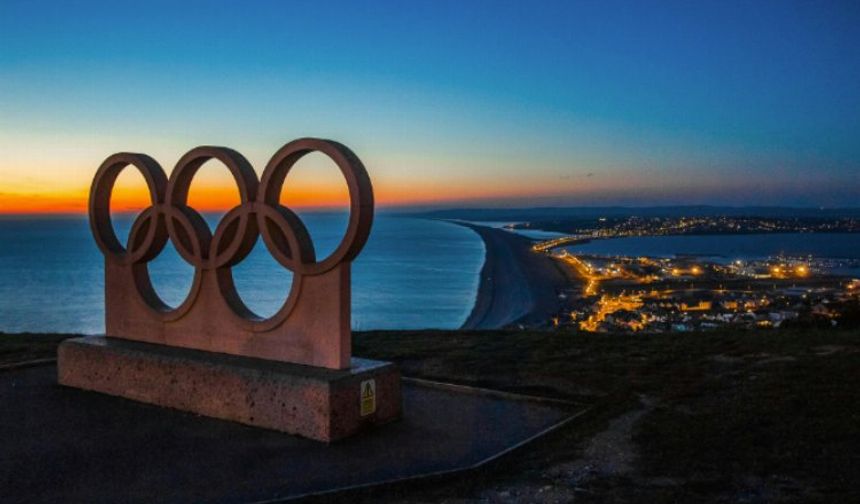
(730, 247)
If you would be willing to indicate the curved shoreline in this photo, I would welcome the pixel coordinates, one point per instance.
(516, 285)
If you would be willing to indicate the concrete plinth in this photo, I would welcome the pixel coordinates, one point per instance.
(317, 403)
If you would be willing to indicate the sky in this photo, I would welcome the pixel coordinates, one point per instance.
(463, 103)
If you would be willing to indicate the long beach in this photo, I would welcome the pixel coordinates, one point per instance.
(517, 286)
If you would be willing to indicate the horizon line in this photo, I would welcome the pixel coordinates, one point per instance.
(425, 208)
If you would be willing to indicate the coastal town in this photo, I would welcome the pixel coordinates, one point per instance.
(551, 273)
(617, 227)
(687, 293)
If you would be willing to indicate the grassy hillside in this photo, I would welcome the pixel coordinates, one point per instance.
(23, 347)
(716, 417)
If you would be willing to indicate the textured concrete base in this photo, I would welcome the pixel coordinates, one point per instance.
(316, 403)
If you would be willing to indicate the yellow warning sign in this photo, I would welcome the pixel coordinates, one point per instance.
(368, 397)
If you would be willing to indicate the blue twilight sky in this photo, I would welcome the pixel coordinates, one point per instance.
(482, 103)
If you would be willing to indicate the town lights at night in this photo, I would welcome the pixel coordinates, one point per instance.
(688, 292)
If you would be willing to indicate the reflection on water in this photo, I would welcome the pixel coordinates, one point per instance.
(413, 273)
(740, 246)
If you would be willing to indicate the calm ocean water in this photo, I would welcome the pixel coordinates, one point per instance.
(731, 247)
(413, 273)
(534, 234)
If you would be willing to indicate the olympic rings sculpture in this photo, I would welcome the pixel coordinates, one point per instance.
(259, 214)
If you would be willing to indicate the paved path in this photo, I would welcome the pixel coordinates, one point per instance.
(66, 445)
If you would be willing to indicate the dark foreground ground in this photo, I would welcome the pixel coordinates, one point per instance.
(714, 417)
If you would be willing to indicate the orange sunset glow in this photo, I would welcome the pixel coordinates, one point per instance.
(219, 198)
(131, 194)
(315, 186)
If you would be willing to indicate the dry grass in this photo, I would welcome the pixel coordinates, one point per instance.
(769, 416)
(721, 417)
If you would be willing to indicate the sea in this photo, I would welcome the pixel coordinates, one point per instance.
(842, 250)
(534, 234)
(412, 274)
(836, 253)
